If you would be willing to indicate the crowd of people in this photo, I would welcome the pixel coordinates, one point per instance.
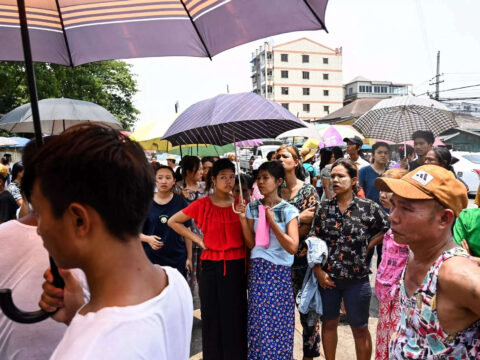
(135, 239)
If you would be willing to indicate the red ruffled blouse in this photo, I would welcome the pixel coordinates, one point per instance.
(222, 231)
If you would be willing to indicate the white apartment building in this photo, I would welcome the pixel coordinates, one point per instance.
(362, 88)
(302, 75)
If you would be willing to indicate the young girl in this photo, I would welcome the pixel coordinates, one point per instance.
(223, 296)
(162, 245)
(389, 272)
(271, 306)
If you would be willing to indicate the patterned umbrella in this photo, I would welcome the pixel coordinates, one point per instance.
(396, 119)
(228, 118)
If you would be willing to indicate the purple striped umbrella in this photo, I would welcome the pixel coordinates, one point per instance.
(75, 32)
(225, 119)
(228, 118)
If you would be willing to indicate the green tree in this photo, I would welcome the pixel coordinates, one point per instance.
(110, 84)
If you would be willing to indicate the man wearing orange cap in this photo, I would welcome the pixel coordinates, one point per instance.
(440, 285)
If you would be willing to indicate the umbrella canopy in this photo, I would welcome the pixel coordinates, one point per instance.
(56, 115)
(62, 32)
(227, 118)
(253, 142)
(333, 135)
(149, 136)
(309, 132)
(202, 150)
(396, 119)
(5, 141)
(20, 140)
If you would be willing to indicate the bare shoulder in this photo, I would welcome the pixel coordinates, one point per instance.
(458, 275)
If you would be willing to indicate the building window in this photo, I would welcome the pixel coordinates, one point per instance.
(284, 57)
(367, 89)
(305, 75)
(305, 59)
(284, 74)
(326, 108)
(284, 90)
(285, 105)
(376, 89)
(306, 107)
(326, 92)
(325, 76)
(269, 89)
(306, 91)
(325, 60)
(350, 91)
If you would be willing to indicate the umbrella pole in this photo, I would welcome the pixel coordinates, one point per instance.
(237, 167)
(32, 85)
(6, 301)
(181, 153)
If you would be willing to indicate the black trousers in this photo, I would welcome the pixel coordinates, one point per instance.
(223, 302)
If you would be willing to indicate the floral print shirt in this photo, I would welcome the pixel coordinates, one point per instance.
(347, 235)
(14, 189)
(419, 334)
(305, 198)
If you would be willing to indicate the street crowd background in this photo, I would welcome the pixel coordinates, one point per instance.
(297, 230)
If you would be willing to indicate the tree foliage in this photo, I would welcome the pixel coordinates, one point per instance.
(110, 84)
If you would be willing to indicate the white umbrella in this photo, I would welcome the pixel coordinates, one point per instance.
(4, 141)
(57, 115)
(309, 132)
(396, 119)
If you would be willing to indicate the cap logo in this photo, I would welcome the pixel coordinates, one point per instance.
(422, 177)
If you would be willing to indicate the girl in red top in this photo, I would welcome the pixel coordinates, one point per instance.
(223, 296)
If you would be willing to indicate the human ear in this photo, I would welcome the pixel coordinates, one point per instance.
(447, 218)
(80, 219)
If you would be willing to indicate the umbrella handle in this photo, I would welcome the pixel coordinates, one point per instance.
(28, 317)
(235, 211)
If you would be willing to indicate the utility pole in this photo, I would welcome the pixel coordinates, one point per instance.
(437, 79)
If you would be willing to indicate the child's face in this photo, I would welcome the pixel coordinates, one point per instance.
(385, 198)
(164, 180)
(267, 183)
(245, 192)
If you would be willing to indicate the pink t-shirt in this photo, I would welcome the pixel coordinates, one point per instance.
(23, 260)
(394, 258)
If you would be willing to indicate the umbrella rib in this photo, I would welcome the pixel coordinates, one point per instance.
(316, 16)
(196, 29)
(64, 34)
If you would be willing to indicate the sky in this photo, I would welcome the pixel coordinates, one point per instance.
(391, 40)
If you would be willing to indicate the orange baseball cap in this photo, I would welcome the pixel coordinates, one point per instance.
(428, 182)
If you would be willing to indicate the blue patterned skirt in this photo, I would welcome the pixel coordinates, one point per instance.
(271, 311)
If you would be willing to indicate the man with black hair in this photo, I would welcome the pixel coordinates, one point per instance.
(354, 146)
(90, 218)
(422, 143)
